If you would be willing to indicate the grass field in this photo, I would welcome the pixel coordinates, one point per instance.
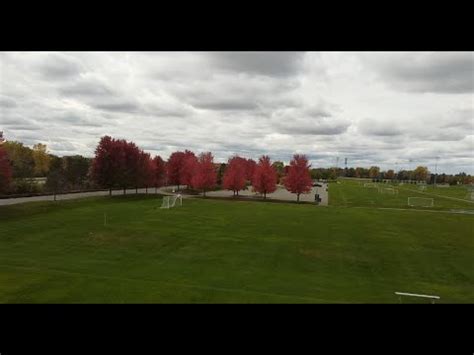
(227, 251)
(350, 193)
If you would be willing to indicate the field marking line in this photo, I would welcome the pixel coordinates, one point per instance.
(223, 289)
(411, 210)
(431, 194)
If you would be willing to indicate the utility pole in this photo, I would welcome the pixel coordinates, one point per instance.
(436, 170)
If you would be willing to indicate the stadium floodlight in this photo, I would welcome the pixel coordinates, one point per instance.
(431, 297)
(420, 202)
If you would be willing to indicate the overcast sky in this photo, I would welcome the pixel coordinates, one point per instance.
(395, 110)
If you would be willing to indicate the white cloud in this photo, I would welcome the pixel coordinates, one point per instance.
(373, 108)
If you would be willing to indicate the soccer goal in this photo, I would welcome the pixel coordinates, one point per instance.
(170, 201)
(432, 298)
(370, 184)
(422, 187)
(469, 196)
(420, 202)
(388, 190)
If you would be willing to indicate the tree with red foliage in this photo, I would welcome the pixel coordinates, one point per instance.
(189, 166)
(205, 175)
(235, 174)
(298, 180)
(250, 169)
(5, 171)
(159, 170)
(128, 162)
(265, 177)
(119, 163)
(104, 168)
(145, 174)
(174, 168)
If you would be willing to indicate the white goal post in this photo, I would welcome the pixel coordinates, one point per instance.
(388, 190)
(370, 184)
(170, 201)
(420, 202)
(431, 297)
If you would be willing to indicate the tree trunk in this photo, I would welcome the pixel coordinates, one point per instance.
(264, 195)
(204, 193)
(178, 187)
(124, 192)
(146, 190)
(136, 190)
(110, 191)
(297, 197)
(156, 190)
(54, 195)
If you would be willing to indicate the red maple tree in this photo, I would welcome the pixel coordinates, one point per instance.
(251, 165)
(120, 163)
(145, 173)
(5, 171)
(205, 175)
(189, 166)
(298, 180)
(235, 174)
(159, 171)
(104, 168)
(265, 177)
(174, 168)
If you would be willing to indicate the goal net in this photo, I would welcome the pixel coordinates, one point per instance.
(420, 202)
(422, 187)
(172, 201)
(388, 190)
(469, 196)
(370, 184)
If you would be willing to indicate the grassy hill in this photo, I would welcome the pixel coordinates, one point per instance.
(227, 251)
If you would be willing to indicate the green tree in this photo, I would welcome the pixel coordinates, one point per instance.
(41, 159)
(280, 169)
(421, 173)
(374, 172)
(21, 158)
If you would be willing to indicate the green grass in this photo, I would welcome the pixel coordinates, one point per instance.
(351, 193)
(227, 251)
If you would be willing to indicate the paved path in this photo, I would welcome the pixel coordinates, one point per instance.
(280, 194)
(15, 200)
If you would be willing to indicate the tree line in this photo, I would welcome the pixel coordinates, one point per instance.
(122, 164)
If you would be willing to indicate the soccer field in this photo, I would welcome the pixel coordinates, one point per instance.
(352, 193)
(227, 251)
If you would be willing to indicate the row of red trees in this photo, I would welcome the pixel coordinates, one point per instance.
(5, 170)
(121, 163)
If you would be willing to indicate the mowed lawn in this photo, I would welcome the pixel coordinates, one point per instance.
(351, 193)
(227, 251)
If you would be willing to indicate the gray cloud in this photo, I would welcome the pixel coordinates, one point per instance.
(440, 72)
(225, 104)
(278, 64)
(59, 66)
(6, 102)
(384, 128)
(86, 88)
(119, 107)
(322, 104)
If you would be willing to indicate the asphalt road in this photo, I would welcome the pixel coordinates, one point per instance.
(280, 194)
